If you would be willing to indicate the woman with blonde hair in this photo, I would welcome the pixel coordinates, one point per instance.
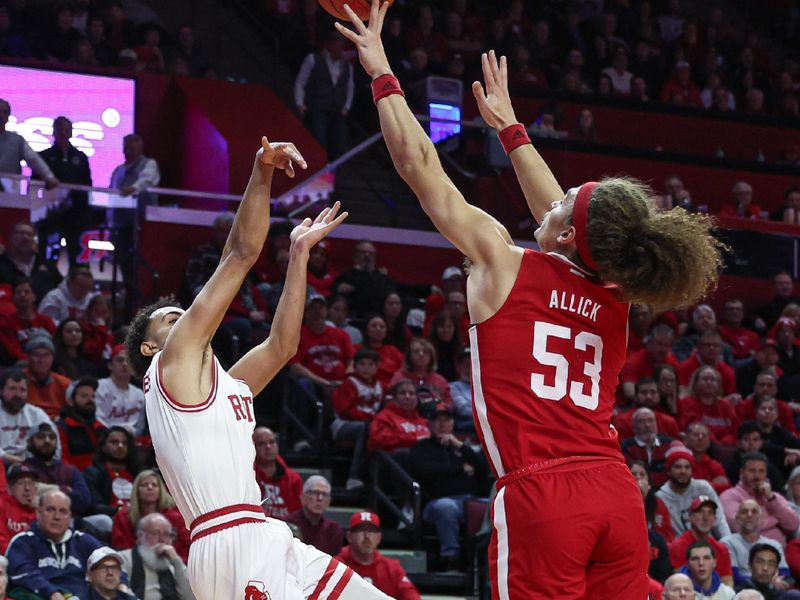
(150, 496)
(419, 367)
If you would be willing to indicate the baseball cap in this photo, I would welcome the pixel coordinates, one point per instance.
(365, 519)
(40, 341)
(96, 557)
(40, 428)
(316, 298)
(700, 501)
(440, 408)
(117, 349)
(452, 272)
(785, 322)
(20, 470)
(85, 380)
(676, 453)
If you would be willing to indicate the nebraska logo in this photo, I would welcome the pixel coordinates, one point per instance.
(256, 590)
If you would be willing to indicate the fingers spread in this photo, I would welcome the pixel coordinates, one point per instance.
(359, 24)
(477, 90)
(348, 33)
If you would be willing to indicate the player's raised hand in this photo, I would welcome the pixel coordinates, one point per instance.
(309, 232)
(367, 38)
(494, 103)
(281, 155)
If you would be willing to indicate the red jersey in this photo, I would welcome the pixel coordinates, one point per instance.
(719, 417)
(743, 341)
(16, 331)
(384, 573)
(357, 400)
(638, 365)
(394, 428)
(14, 518)
(545, 367)
(327, 354)
(726, 373)
(663, 522)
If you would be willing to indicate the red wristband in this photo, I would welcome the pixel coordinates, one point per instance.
(385, 85)
(513, 137)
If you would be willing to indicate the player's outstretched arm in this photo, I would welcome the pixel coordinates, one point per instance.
(475, 233)
(260, 364)
(537, 181)
(188, 340)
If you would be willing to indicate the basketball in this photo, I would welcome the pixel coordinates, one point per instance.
(336, 8)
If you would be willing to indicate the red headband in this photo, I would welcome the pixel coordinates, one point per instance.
(580, 219)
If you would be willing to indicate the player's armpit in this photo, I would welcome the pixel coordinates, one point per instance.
(258, 366)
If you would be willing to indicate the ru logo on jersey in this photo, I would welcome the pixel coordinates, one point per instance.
(256, 590)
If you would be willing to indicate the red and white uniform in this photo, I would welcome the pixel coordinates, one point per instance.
(569, 518)
(206, 455)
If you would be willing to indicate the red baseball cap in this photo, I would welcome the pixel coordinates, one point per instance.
(362, 519)
(700, 501)
(117, 349)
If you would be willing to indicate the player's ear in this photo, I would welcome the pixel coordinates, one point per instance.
(567, 235)
(148, 348)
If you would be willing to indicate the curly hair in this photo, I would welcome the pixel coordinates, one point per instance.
(665, 259)
(137, 333)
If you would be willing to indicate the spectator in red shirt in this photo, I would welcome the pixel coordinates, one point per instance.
(324, 354)
(706, 405)
(743, 342)
(18, 507)
(356, 402)
(742, 204)
(97, 339)
(657, 351)
(150, 496)
(390, 358)
(646, 397)
(655, 510)
(709, 352)
(702, 517)
(681, 90)
(766, 386)
(698, 440)
(452, 281)
(281, 486)
(386, 574)
(398, 425)
(17, 328)
(420, 368)
(319, 531)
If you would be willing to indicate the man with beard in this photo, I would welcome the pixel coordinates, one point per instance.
(104, 576)
(155, 570)
(17, 509)
(78, 429)
(42, 442)
(17, 417)
(681, 489)
(647, 445)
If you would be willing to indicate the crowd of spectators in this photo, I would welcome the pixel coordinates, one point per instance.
(127, 36)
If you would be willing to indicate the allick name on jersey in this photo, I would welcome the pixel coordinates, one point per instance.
(586, 307)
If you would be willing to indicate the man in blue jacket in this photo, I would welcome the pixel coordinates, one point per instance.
(50, 559)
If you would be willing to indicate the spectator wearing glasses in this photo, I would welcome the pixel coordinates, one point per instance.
(319, 531)
(154, 568)
(104, 576)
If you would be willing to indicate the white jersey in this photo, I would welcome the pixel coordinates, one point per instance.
(116, 406)
(205, 452)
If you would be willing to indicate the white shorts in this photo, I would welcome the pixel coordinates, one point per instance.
(263, 561)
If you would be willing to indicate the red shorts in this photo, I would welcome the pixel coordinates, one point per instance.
(576, 530)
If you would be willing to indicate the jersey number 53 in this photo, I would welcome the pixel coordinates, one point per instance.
(563, 384)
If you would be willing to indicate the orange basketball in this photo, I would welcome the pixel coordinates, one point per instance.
(336, 8)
